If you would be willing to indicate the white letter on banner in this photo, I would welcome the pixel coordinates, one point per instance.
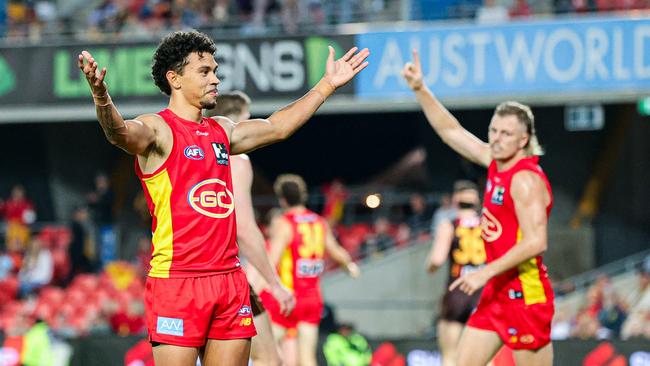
(597, 45)
(434, 62)
(390, 65)
(479, 40)
(620, 72)
(288, 73)
(456, 59)
(226, 70)
(519, 54)
(573, 70)
(256, 72)
(641, 33)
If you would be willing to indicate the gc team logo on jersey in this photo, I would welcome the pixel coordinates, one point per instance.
(491, 228)
(211, 198)
(194, 152)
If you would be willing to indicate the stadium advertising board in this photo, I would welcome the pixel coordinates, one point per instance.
(573, 57)
(264, 68)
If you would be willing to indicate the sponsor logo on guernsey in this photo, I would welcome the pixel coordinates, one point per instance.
(491, 228)
(245, 311)
(201, 133)
(194, 152)
(220, 152)
(488, 186)
(171, 326)
(497, 195)
(211, 198)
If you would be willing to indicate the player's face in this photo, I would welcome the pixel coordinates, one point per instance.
(199, 80)
(506, 136)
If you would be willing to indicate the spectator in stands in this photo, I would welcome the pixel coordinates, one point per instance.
(37, 268)
(612, 315)
(379, 239)
(419, 218)
(335, 196)
(81, 244)
(100, 201)
(520, 9)
(129, 321)
(491, 13)
(3, 17)
(18, 211)
(638, 321)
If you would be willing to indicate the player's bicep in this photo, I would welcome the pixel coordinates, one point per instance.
(530, 196)
(252, 134)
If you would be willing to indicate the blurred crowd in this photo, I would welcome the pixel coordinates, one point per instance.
(141, 19)
(609, 310)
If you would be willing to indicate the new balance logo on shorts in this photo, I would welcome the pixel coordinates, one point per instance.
(171, 326)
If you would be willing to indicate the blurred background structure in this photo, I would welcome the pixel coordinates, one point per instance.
(74, 226)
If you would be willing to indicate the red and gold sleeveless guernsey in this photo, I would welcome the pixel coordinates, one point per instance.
(500, 231)
(302, 261)
(190, 199)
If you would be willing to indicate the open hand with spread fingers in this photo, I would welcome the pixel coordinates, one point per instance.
(339, 72)
(412, 72)
(88, 65)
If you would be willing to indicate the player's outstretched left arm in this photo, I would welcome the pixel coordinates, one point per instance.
(340, 255)
(249, 236)
(252, 134)
(531, 198)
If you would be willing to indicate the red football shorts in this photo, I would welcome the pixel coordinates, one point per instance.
(188, 311)
(308, 310)
(519, 326)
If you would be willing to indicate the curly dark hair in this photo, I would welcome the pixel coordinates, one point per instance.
(172, 53)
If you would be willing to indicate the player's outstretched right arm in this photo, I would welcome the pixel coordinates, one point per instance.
(132, 136)
(441, 246)
(339, 254)
(442, 121)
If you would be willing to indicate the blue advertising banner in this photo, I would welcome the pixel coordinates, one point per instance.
(591, 56)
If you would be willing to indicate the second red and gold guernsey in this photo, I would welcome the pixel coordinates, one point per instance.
(191, 202)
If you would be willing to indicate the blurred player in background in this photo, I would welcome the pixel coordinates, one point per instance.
(264, 352)
(457, 239)
(516, 306)
(197, 296)
(299, 239)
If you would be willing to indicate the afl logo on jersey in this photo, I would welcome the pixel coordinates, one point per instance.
(211, 198)
(491, 228)
(194, 152)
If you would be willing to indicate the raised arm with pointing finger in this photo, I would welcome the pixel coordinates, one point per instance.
(443, 122)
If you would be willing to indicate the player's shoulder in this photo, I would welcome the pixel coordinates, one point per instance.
(223, 121)
(526, 181)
